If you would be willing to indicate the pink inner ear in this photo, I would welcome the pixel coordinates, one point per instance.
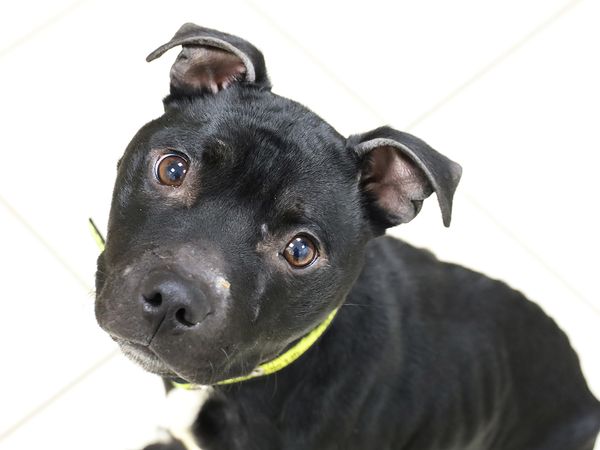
(206, 68)
(397, 184)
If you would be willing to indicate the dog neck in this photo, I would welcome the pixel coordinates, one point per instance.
(281, 361)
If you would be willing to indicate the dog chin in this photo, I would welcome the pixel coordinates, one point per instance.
(151, 362)
(146, 358)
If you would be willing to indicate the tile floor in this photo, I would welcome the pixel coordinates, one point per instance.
(509, 89)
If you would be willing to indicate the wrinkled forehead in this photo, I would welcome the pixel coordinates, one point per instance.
(263, 152)
(258, 139)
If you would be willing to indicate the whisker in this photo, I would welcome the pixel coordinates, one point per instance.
(225, 352)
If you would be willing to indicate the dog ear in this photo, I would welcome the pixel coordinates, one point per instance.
(398, 171)
(211, 61)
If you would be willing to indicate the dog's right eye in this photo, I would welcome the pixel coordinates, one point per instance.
(171, 168)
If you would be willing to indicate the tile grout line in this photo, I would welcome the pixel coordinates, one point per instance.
(594, 309)
(479, 74)
(4, 51)
(330, 73)
(57, 256)
(473, 79)
(494, 63)
(44, 25)
(445, 100)
(11, 210)
(65, 389)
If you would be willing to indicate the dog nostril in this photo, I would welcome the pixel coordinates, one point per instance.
(154, 299)
(183, 318)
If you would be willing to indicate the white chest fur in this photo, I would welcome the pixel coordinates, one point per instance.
(180, 410)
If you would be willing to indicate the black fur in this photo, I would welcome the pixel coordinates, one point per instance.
(422, 355)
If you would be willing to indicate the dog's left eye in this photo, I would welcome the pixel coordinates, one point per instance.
(300, 252)
(170, 169)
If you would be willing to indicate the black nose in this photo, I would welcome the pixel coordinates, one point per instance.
(166, 297)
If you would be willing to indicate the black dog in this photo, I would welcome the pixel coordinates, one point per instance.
(241, 222)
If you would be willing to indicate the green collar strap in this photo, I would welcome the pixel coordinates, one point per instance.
(283, 360)
(269, 367)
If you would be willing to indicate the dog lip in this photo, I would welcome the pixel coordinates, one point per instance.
(146, 351)
(136, 346)
(140, 352)
(139, 348)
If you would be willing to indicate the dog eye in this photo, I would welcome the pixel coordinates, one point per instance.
(300, 252)
(170, 169)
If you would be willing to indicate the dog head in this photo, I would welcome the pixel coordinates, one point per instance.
(239, 218)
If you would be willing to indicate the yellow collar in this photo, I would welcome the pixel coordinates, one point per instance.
(283, 360)
(275, 365)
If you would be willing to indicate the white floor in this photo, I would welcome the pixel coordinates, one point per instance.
(509, 89)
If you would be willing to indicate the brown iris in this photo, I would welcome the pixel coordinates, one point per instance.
(300, 251)
(171, 168)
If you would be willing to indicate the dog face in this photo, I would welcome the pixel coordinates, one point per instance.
(239, 218)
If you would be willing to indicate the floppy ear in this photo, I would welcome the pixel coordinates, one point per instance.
(211, 61)
(398, 171)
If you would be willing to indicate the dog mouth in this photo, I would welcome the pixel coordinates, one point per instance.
(146, 358)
